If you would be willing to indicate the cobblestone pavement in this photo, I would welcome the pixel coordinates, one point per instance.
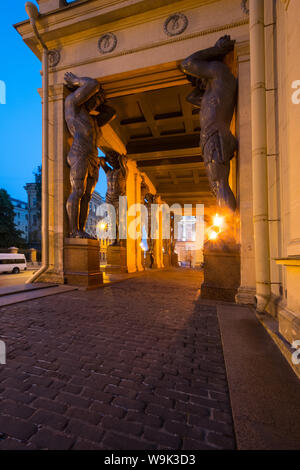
(137, 365)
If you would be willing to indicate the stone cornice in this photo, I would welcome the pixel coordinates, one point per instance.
(66, 25)
(152, 45)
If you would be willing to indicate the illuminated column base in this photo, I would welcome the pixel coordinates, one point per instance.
(82, 263)
(116, 258)
(222, 267)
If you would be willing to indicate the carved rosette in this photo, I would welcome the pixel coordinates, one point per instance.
(107, 43)
(245, 6)
(54, 58)
(175, 24)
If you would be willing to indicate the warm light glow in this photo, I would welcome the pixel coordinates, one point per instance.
(102, 226)
(213, 235)
(218, 221)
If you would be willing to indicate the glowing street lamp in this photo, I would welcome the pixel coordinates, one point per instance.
(213, 235)
(216, 228)
(218, 221)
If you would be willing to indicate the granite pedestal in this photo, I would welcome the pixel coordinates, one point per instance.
(116, 259)
(82, 263)
(221, 271)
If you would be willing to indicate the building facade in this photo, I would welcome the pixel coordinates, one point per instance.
(189, 250)
(21, 217)
(34, 215)
(134, 49)
(94, 219)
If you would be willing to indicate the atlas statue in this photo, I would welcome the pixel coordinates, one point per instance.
(115, 167)
(215, 93)
(147, 199)
(86, 112)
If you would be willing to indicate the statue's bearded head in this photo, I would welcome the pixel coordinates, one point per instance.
(112, 158)
(95, 102)
(200, 83)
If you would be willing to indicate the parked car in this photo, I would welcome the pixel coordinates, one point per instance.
(12, 263)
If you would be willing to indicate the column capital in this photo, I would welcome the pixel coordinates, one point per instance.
(242, 48)
(56, 92)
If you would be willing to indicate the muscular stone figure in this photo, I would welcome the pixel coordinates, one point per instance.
(215, 94)
(85, 113)
(114, 166)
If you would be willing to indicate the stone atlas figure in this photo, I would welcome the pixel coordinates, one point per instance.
(147, 199)
(85, 114)
(115, 168)
(215, 94)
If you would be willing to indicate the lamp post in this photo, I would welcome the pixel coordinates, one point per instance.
(33, 15)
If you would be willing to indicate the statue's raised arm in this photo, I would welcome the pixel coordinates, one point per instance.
(206, 63)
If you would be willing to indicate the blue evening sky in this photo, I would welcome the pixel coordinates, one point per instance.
(21, 116)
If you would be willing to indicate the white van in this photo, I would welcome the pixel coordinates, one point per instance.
(12, 263)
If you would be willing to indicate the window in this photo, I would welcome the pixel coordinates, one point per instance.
(12, 261)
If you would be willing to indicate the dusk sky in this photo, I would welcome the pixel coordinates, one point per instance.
(21, 116)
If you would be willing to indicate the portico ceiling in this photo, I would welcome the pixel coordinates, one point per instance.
(161, 132)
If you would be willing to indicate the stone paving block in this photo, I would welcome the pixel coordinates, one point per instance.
(51, 440)
(50, 419)
(86, 431)
(121, 442)
(17, 428)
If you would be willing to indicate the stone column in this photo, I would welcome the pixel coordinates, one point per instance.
(32, 255)
(59, 185)
(246, 292)
(133, 193)
(157, 234)
(273, 157)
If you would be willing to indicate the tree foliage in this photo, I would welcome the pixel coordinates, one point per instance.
(9, 234)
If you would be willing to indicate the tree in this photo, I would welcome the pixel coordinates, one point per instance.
(9, 235)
